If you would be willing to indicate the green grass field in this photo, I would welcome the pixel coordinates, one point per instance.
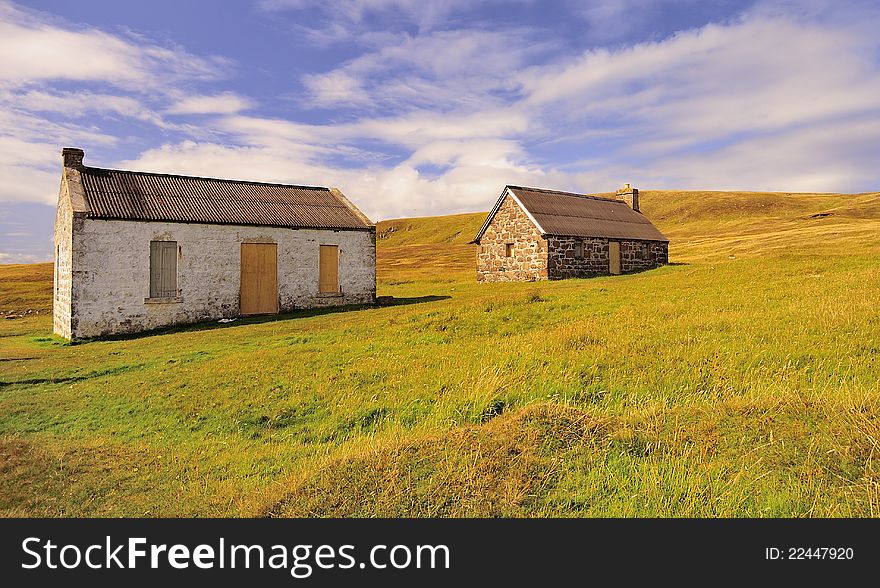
(741, 380)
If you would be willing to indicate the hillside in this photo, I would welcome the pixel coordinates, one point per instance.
(739, 381)
(403, 254)
(701, 226)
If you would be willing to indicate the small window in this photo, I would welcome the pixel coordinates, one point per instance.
(579, 250)
(163, 269)
(508, 250)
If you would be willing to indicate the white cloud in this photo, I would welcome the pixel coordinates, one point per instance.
(381, 192)
(32, 49)
(225, 103)
(496, 152)
(80, 104)
(836, 156)
(718, 80)
(30, 154)
(15, 257)
(335, 88)
(437, 121)
(38, 53)
(442, 70)
(765, 102)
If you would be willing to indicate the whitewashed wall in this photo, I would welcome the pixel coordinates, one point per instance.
(111, 272)
(62, 276)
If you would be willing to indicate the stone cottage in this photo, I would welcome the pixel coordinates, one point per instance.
(136, 251)
(536, 234)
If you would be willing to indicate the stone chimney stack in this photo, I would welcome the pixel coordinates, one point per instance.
(629, 195)
(72, 157)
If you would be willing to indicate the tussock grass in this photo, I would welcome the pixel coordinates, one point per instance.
(740, 381)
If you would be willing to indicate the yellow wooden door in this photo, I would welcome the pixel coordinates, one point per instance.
(614, 258)
(328, 280)
(259, 278)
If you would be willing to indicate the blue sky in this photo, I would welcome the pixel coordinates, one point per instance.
(421, 108)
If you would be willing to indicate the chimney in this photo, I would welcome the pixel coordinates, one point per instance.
(629, 195)
(72, 157)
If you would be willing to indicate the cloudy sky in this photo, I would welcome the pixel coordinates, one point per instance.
(419, 108)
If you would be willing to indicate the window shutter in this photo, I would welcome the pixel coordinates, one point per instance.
(163, 269)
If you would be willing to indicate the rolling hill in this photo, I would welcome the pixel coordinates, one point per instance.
(741, 380)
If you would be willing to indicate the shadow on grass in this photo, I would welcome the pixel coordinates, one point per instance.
(644, 270)
(650, 269)
(381, 302)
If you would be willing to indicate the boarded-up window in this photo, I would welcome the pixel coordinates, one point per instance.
(163, 269)
(328, 280)
(579, 250)
(508, 250)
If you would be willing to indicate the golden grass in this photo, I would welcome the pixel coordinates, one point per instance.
(25, 287)
(740, 381)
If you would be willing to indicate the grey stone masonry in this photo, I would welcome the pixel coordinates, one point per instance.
(512, 249)
(515, 244)
(564, 261)
(636, 256)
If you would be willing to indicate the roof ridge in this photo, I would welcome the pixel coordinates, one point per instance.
(563, 193)
(643, 220)
(212, 198)
(88, 168)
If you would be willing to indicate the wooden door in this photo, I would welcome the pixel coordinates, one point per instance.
(614, 258)
(328, 280)
(259, 278)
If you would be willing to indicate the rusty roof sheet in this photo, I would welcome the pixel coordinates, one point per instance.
(128, 195)
(567, 214)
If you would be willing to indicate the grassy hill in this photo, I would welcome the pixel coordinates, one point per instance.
(427, 247)
(739, 381)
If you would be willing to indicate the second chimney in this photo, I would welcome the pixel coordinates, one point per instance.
(72, 157)
(629, 195)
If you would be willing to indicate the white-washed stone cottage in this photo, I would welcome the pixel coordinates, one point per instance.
(136, 251)
(536, 234)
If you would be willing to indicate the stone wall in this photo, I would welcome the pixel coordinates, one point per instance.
(634, 256)
(563, 263)
(528, 259)
(62, 275)
(637, 256)
(111, 265)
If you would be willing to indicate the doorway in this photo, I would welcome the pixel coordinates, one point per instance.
(259, 278)
(614, 258)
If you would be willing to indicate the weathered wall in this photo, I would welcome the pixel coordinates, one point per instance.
(634, 256)
(111, 265)
(61, 286)
(562, 262)
(529, 259)
(642, 255)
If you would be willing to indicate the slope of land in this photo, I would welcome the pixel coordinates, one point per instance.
(739, 381)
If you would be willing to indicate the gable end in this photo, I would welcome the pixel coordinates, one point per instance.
(505, 193)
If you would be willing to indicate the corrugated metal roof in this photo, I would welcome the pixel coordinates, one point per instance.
(567, 214)
(128, 195)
